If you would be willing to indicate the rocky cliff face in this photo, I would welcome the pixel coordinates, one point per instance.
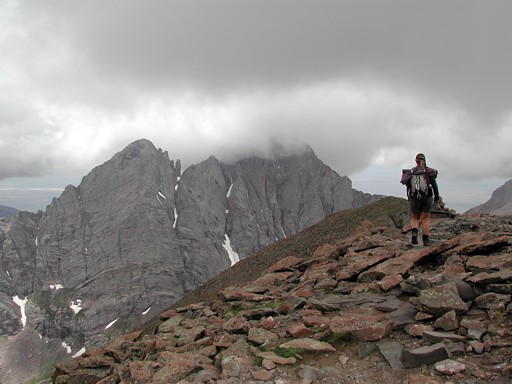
(137, 234)
(500, 202)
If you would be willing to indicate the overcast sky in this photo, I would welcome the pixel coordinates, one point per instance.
(367, 84)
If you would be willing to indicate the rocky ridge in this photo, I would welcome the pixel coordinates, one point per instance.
(363, 307)
(499, 204)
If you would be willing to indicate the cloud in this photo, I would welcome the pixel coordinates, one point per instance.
(361, 82)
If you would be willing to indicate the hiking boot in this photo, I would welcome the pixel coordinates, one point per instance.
(414, 237)
(426, 241)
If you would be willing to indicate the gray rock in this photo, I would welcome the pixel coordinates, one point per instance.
(423, 355)
(434, 337)
(391, 350)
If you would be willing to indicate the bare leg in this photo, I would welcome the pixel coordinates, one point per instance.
(415, 220)
(425, 222)
(425, 227)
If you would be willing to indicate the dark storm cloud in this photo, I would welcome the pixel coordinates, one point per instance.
(458, 51)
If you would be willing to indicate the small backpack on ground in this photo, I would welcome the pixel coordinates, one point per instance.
(420, 185)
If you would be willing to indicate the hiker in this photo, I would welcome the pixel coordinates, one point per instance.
(422, 192)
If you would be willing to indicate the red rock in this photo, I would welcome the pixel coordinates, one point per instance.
(372, 286)
(262, 375)
(306, 293)
(310, 312)
(491, 278)
(492, 300)
(447, 322)
(260, 336)
(422, 379)
(325, 251)
(272, 278)
(416, 330)
(309, 345)
(236, 324)
(354, 263)
(271, 356)
(489, 263)
(286, 264)
(299, 330)
(268, 364)
(484, 247)
(141, 371)
(398, 265)
(267, 322)
(224, 340)
(313, 321)
(320, 271)
(362, 328)
(390, 282)
(166, 315)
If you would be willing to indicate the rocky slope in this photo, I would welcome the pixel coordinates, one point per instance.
(500, 202)
(348, 300)
(137, 234)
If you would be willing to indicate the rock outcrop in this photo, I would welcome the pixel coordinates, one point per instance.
(137, 234)
(369, 307)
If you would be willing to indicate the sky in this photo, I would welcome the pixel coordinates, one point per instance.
(367, 84)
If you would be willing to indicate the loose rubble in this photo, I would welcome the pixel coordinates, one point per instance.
(371, 308)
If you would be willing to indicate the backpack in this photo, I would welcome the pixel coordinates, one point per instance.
(420, 186)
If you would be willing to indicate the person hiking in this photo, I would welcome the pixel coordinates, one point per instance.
(422, 192)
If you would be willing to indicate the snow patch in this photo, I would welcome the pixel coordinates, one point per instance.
(146, 311)
(21, 303)
(67, 347)
(76, 305)
(229, 191)
(56, 286)
(162, 195)
(111, 324)
(79, 353)
(233, 256)
(175, 217)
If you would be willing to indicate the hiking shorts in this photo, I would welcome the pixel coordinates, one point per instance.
(424, 205)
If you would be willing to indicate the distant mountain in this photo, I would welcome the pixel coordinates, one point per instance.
(137, 234)
(7, 211)
(500, 202)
